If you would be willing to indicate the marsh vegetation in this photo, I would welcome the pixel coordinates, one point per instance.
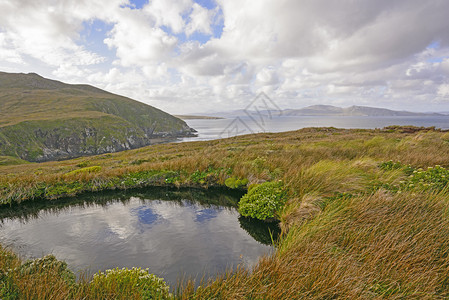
(365, 212)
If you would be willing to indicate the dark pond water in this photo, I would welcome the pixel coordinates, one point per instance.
(171, 232)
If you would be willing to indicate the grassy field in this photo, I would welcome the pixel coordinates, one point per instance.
(366, 214)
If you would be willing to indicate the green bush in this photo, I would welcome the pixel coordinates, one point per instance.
(433, 178)
(128, 283)
(236, 183)
(264, 201)
(47, 263)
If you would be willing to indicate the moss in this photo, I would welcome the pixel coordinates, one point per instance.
(236, 183)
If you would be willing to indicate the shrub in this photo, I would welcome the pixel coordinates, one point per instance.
(128, 283)
(263, 201)
(236, 183)
(434, 177)
(48, 263)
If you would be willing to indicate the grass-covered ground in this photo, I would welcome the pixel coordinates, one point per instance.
(366, 213)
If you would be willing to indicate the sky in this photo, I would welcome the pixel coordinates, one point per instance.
(199, 56)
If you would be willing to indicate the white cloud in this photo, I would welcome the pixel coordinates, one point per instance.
(443, 90)
(137, 42)
(69, 71)
(267, 76)
(7, 51)
(298, 51)
(46, 32)
(169, 13)
(200, 20)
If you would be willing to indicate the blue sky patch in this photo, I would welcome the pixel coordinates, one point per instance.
(434, 45)
(205, 215)
(146, 215)
(435, 59)
(137, 4)
(92, 37)
(209, 4)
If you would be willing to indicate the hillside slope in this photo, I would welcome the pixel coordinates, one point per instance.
(42, 119)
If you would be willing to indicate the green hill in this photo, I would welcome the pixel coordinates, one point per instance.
(42, 119)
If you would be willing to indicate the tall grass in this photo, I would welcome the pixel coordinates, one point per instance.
(380, 246)
(351, 228)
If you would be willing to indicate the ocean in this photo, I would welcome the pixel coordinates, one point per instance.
(210, 129)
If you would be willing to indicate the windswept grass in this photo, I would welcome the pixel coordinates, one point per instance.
(376, 246)
(313, 159)
(365, 216)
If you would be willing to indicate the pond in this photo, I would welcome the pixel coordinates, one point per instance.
(174, 233)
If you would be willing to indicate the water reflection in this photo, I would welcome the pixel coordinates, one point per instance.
(264, 233)
(32, 210)
(169, 231)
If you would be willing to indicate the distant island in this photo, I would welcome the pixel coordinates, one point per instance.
(326, 110)
(330, 110)
(43, 119)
